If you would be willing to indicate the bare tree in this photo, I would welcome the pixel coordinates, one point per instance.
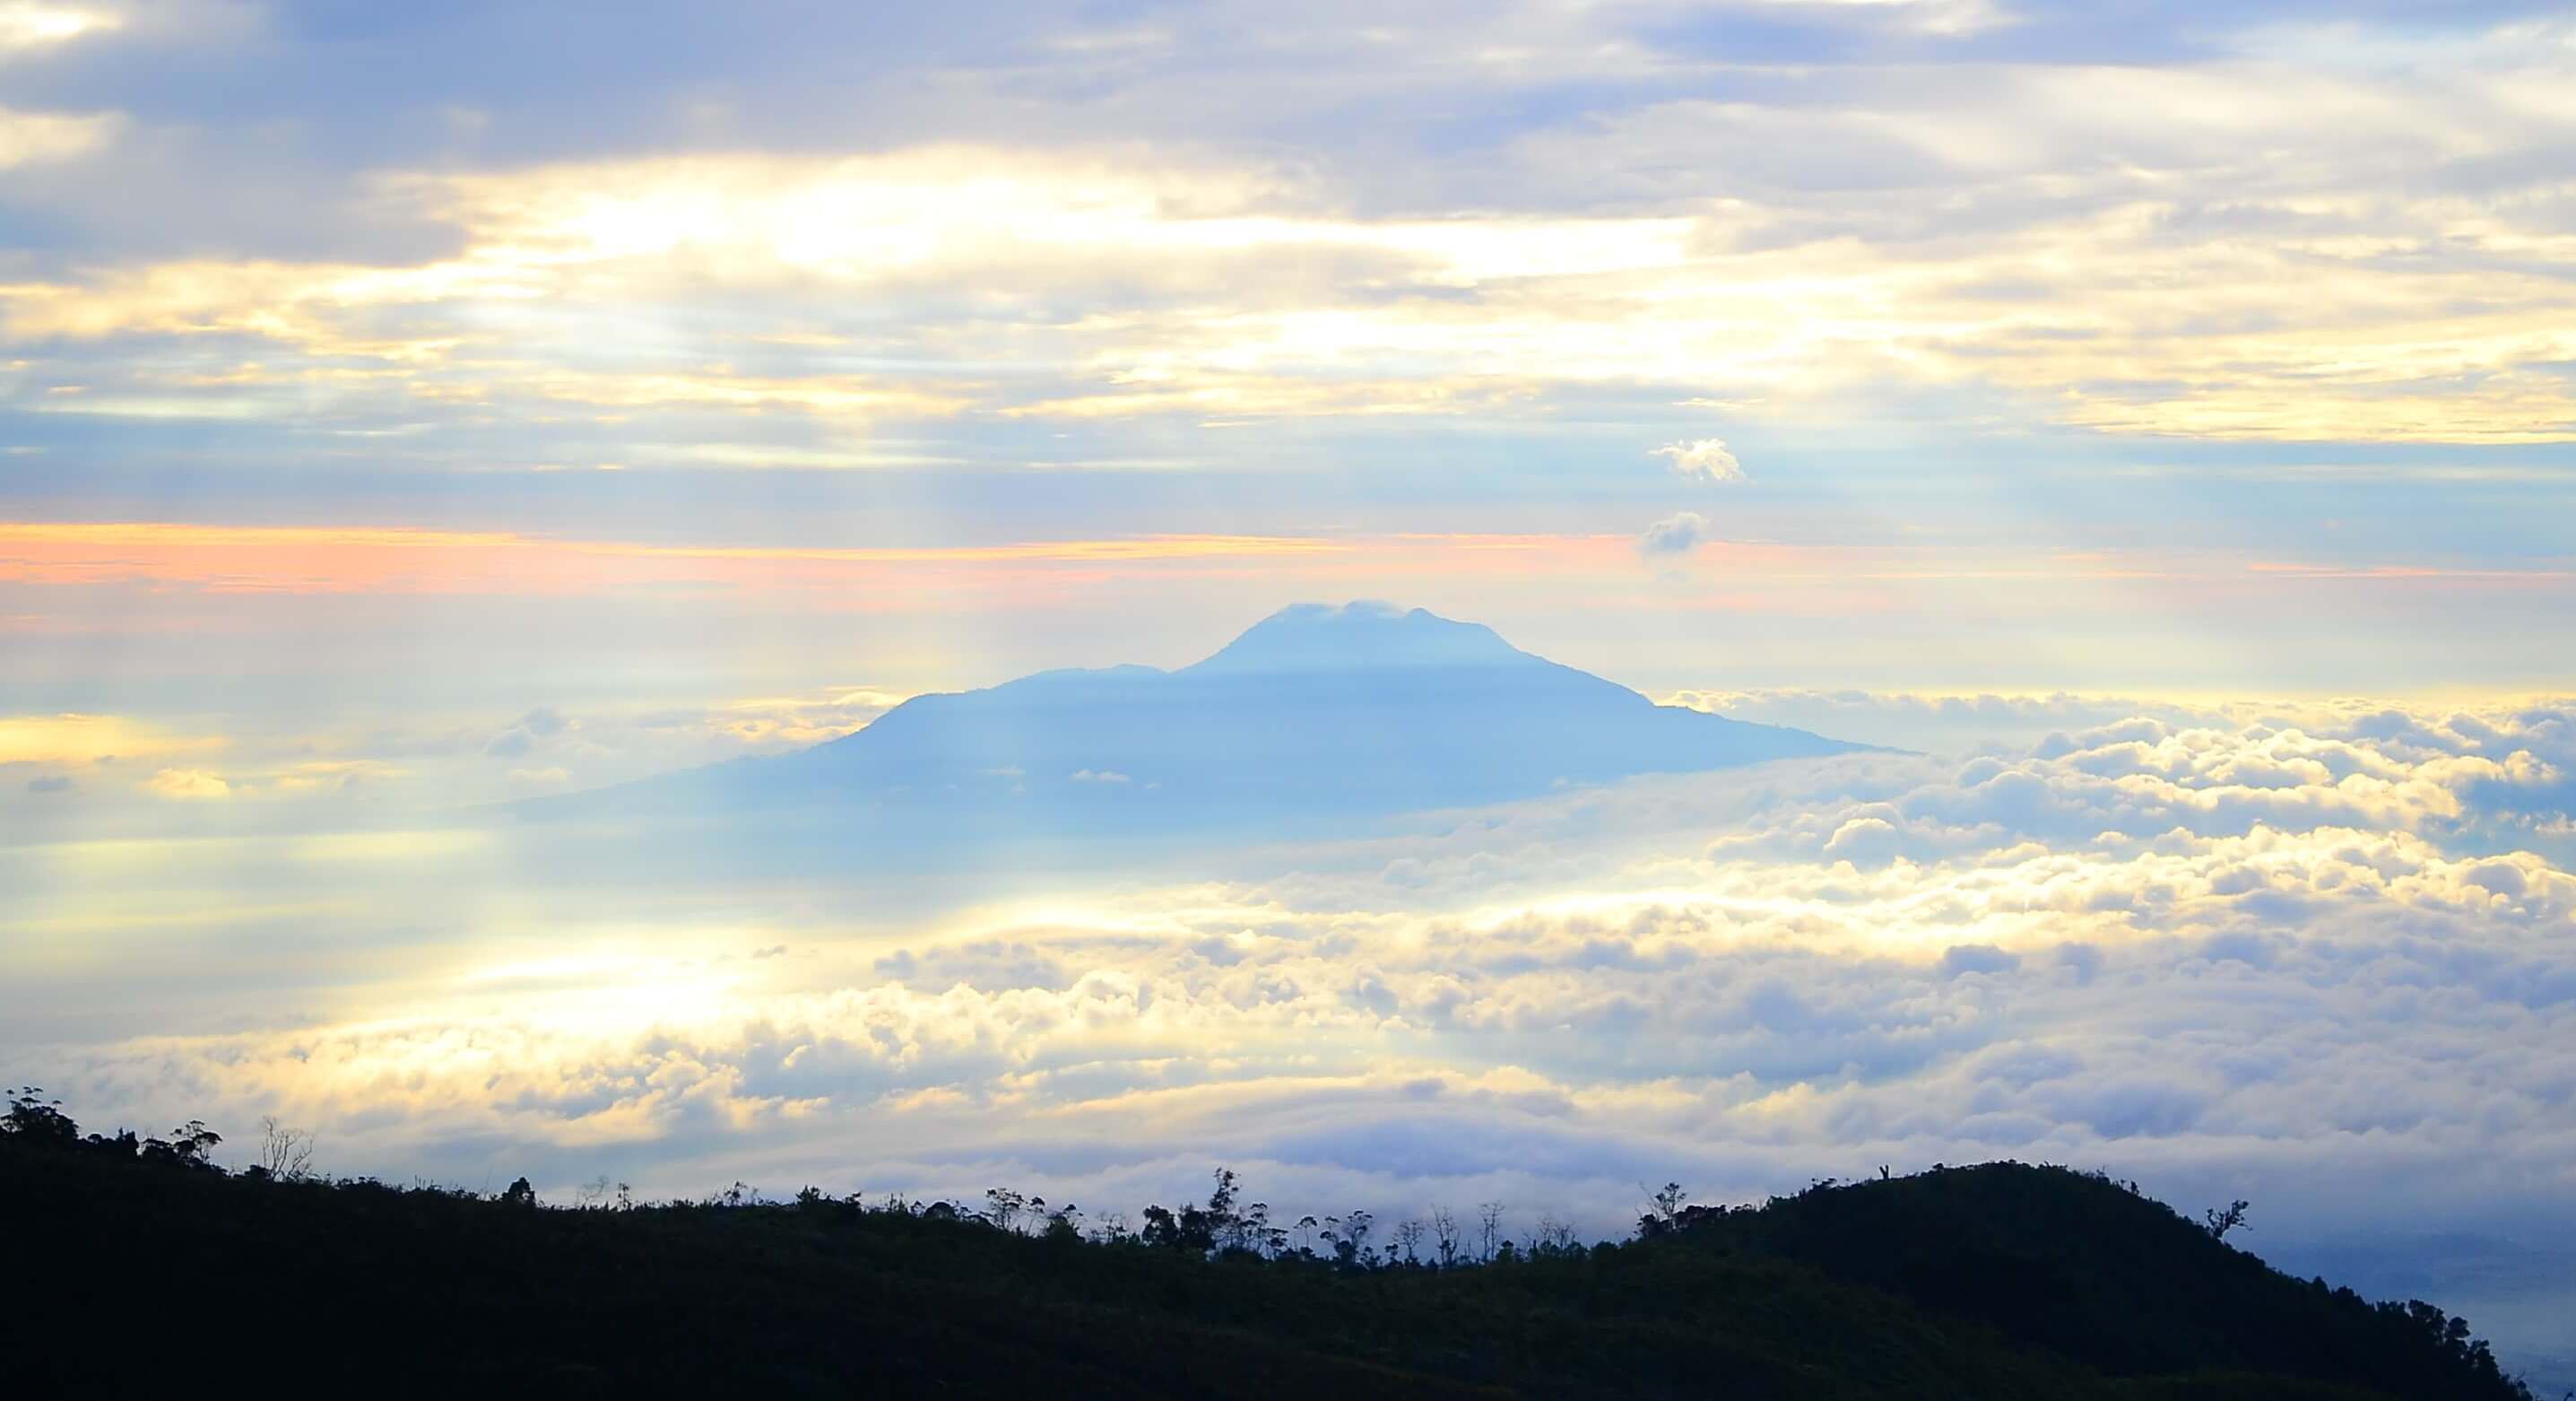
(1408, 1240)
(1489, 1230)
(1444, 1234)
(286, 1154)
(1552, 1237)
(2219, 1223)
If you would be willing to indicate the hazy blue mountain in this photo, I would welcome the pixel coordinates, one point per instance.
(1316, 710)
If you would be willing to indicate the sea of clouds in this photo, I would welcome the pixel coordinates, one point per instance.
(2322, 957)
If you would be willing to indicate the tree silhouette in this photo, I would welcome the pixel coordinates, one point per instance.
(2003, 1280)
(285, 1154)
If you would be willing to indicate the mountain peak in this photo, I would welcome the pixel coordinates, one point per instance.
(1362, 635)
(1318, 711)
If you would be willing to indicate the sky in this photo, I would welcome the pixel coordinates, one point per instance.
(2155, 416)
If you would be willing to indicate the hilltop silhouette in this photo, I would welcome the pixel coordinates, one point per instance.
(1315, 712)
(144, 1268)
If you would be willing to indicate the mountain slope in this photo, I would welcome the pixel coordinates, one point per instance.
(2077, 1265)
(1315, 710)
(153, 1273)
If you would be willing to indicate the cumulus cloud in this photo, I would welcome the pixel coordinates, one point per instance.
(1702, 460)
(1677, 534)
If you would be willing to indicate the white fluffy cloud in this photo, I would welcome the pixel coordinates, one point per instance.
(1702, 460)
(26, 26)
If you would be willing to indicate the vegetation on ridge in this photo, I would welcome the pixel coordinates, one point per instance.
(154, 1266)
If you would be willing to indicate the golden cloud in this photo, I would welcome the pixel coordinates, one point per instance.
(29, 25)
(1244, 298)
(32, 138)
(188, 784)
(88, 739)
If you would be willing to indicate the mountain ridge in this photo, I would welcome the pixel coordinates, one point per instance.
(1998, 1281)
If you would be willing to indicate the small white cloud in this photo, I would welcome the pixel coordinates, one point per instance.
(189, 783)
(1674, 535)
(1099, 776)
(26, 25)
(1702, 460)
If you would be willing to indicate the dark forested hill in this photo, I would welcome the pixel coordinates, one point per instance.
(143, 1270)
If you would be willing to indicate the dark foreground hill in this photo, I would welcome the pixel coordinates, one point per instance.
(148, 1273)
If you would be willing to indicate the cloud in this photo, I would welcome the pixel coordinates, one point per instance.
(50, 783)
(188, 784)
(339, 559)
(1821, 957)
(527, 732)
(793, 721)
(1099, 776)
(511, 743)
(1703, 460)
(1676, 534)
(2325, 965)
(38, 138)
(1248, 287)
(89, 739)
(26, 26)
(331, 775)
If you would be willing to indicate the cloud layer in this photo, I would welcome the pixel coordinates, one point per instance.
(2285, 231)
(2330, 966)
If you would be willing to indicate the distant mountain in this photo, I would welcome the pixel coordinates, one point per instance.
(1315, 710)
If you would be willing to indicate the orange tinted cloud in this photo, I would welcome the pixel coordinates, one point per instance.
(1766, 573)
(357, 559)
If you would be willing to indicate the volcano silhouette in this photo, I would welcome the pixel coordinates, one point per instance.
(1316, 710)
